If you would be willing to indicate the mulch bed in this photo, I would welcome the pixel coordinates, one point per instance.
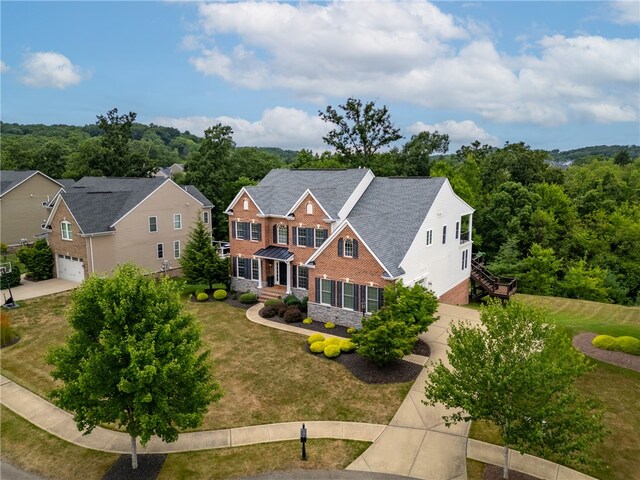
(582, 342)
(363, 369)
(13, 341)
(228, 300)
(493, 472)
(149, 467)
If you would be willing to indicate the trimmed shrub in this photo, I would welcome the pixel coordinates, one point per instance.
(220, 294)
(269, 312)
(317, 347)
(347, 346)
(605, 342)
(333, 341)
(315, 337)
(282, 308)
(11, 279)
(292, 315)
(352, 330)
(628, 345)
(329, 325)
(248, 298)
(219, 286)
(303, 304)
(331, 351)
(202, 297)
(272, 301)
(291, 300)
(307, 321)
(38, 259)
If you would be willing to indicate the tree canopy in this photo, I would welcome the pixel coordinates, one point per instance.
(134, 358)
(200, 261)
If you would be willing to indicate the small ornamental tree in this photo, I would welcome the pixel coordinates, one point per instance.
(38, 259)
(200, 261)
(134, 358)
(391, 332)
(518, 372)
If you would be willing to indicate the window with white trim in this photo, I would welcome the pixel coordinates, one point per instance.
(319, 236)
(245, 204)
(255, 268)
(302, 237)
(372, 299)
(348, 297)
(444, 234)
(177, 221)
(309, 208)
(282, 234)
(465, 259)
(325, 291)
(241, 272)
(255, 232)
(153, 224)
(457, 230)
(160, 250)
(176, 249)
(348, 247)
(65, 228)
(429, 237)
(303, 277)
(205, 217)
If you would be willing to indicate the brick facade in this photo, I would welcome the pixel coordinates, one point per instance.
(76, 247)
(458, 295)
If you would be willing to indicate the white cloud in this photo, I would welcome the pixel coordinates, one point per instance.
(413, 52)
(4, 67)
(51, 69)
(287, 128)
(625, 11)
(460, 133)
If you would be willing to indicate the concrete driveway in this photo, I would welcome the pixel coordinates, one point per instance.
(30, 289)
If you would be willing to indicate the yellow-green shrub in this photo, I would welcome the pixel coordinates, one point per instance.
(316, 337)
(605, 342)
(202, 297)
(307, 321)
(347, 346)
(351, 330)
(317, 347)
(220, 294)
(628, 345)
(331, 351)
(329, 325)
(332, 341)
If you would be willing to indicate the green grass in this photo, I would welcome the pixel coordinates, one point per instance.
(266, 374)
(617, 388)
(29, 448)
(475, 469)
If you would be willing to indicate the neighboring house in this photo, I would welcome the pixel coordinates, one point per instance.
(100, 222)
(23, 199)
(340, 236)
(169, 172)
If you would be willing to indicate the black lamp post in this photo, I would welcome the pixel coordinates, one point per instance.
(303, 440)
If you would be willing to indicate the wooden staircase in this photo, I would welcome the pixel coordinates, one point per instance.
(485, 283)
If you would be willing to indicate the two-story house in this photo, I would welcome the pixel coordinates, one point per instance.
(99, 222)
(340, 236)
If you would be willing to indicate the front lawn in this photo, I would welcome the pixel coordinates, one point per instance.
(266, 374)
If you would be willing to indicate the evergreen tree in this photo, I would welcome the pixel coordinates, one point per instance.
(200, 261)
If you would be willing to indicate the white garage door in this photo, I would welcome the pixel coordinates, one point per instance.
(70, 268)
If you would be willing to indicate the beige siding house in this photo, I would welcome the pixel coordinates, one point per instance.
(99, 223)
(23, 199)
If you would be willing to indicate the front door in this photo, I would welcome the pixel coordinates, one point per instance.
(280, 269)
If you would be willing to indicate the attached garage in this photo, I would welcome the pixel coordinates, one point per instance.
(70, 268)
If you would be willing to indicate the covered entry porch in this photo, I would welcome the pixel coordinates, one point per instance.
(274, 268)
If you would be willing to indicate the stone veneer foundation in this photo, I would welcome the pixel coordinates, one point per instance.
(339, 316)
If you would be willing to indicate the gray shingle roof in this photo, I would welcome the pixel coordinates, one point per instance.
(11, 178)
(281, 189)
(390, 212)
(197, 194)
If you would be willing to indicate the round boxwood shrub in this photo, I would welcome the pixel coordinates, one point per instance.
(292, 315)
(220, 294)
(317, 347)
(332, 341)
(272, 301)
(282, 308)
(291, 300)
(269, 312)
(248, 298)
(329, 325)
(628, 345)
(202, 297)
(347, 346)
(307, 321)
(315, 337)
(331, 351)
(605, 342)
(351, 330)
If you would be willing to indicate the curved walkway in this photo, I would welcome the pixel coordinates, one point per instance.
(415, 444)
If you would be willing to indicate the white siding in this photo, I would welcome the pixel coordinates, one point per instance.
(355, 196)
(440, 265)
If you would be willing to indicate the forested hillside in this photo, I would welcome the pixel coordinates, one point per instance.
(571, 231)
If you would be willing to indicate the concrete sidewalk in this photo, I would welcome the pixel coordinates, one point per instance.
(30, 289)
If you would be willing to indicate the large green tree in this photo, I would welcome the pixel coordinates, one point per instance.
(416, 153)
(134, 358)
(518, 372)
(200, 261)
(360, 130)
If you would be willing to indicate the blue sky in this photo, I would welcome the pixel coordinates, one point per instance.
(551, 74)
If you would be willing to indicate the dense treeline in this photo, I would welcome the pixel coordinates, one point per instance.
(571, 231)
(586, 154)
